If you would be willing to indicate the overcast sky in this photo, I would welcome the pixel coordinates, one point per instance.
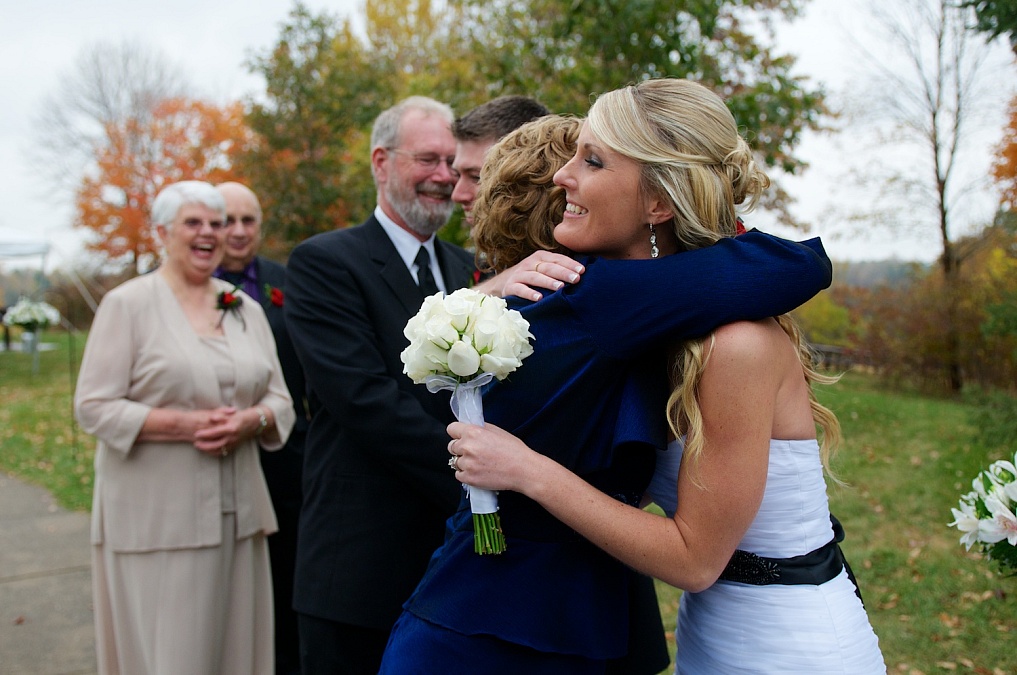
(41, 39)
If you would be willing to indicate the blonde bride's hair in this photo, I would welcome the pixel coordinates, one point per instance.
(693, 158)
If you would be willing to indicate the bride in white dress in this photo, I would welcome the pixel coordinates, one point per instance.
(742, 627)
(750, 539)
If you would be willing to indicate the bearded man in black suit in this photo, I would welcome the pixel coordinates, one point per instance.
(377, 488)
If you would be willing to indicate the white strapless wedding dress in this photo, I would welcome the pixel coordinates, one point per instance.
(740, 628)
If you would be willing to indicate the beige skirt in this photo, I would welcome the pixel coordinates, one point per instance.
(201, 611)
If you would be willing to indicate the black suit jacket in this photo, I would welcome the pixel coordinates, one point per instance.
(377, 487)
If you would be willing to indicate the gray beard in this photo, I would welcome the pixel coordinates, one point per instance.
(423, 219)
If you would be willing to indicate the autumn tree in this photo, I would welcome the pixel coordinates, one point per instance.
(901, 325)
(108, 85)
(1004, 170)
(176, 139)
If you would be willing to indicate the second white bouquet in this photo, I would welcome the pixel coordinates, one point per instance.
(32, 316)
(987, 515)
(461, 342)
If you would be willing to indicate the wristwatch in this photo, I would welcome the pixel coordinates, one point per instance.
(262, 421)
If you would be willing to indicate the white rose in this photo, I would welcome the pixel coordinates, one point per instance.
(491, 308)
(414, 329)
(461, 308)
(438, 331)
(421, 359)
(485, 335)
(499, 366)
(463, 359)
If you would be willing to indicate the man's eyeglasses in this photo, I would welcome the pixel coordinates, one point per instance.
(427, 160)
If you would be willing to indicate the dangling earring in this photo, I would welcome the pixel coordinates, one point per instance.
(654, 251)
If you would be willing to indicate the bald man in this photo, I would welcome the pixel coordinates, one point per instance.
(265, 282)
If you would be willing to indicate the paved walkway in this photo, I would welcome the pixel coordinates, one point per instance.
(45, 585)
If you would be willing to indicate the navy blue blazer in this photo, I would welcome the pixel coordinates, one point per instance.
(377, 488)
(592, 396)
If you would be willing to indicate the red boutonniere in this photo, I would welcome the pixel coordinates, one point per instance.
(274, 295)
(476, 278)
(229, 301)
(739, 227)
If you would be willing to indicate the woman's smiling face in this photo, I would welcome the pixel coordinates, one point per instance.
(195, 242)
(606, 213)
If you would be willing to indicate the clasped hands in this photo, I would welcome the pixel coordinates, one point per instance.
(220, 430)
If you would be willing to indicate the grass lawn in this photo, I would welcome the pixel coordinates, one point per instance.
(907, 457)
(39, 442)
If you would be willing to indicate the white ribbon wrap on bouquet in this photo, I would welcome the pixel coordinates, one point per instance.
(468, 406)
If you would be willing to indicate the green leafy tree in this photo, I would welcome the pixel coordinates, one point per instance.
(323, 90)
(997, 18)
(565, 54)
(326, 84)
(824, 321)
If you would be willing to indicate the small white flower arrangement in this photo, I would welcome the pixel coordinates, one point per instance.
(31, 316)
(987, 515)
(461, 342)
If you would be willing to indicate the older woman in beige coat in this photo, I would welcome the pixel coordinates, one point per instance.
(179, 382)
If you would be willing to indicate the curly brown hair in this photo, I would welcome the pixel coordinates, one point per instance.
(518, 204)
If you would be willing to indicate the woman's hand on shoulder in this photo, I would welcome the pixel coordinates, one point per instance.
(543, 270)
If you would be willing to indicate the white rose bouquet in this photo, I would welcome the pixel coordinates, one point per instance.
(986, 515)
(31, 316)
(461, 342)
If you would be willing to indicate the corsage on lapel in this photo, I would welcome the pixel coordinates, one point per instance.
(274, 295)
(230, 301)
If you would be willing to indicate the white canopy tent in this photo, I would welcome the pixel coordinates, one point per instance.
(24, 249)
(27, 249)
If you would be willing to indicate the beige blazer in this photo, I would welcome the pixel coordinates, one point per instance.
(141, 354)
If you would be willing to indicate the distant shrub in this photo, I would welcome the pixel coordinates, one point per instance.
(995, 417)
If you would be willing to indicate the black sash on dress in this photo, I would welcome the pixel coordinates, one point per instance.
(813, 568)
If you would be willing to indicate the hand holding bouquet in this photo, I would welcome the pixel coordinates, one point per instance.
(461, 342)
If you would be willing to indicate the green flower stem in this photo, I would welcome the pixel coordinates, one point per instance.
(488, 537)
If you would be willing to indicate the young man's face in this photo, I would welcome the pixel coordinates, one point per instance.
(469, 160)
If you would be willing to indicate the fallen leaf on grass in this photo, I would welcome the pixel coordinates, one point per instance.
(949, 621)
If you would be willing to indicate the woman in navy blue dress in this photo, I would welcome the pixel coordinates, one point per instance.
(592, 396)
